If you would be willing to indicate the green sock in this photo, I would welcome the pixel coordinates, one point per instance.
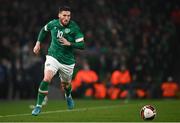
(68, 90)
(43, 91)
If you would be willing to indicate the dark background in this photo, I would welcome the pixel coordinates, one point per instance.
(140, 34)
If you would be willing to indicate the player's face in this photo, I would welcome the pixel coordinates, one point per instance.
(64, 17)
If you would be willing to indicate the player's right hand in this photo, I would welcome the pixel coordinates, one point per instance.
(37, 48)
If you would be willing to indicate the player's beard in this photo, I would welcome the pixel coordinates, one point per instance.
(65, 22)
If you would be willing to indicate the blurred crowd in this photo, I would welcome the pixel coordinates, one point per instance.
(140, 36)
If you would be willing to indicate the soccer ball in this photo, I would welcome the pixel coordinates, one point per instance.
(148, 112)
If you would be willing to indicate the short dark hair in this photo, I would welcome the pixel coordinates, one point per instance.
(64, 8)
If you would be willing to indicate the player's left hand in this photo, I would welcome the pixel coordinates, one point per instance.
(64, 41)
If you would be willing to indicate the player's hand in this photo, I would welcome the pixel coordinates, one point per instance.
(37, 48)
(64, 41)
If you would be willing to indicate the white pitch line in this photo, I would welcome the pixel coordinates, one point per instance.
(59, 111)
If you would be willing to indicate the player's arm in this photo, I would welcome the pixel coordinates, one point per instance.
(37, 48)
(41, 37)
(77, 45)
(42, 34)
(79, 40)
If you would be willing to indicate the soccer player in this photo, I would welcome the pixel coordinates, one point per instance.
(65, 37)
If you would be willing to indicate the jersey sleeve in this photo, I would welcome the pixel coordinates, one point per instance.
(79, 38)
(78, 35)
(48, 26)
(44, 31)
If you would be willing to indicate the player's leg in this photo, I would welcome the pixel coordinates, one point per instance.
(65, 74)
(45, 101)
(43, 88)
(49, 72)
(43, 91)
(68, 89)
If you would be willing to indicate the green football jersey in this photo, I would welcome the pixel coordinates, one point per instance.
(64, 54)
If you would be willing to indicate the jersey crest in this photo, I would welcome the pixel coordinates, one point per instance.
(67, 30)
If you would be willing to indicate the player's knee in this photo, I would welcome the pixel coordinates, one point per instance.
(65, 85)
(47, 79)
(62, 85)
(48, 75)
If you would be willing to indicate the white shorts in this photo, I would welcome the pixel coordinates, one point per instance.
(65, 71)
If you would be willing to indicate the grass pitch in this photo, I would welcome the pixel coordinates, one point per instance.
(89, 111)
